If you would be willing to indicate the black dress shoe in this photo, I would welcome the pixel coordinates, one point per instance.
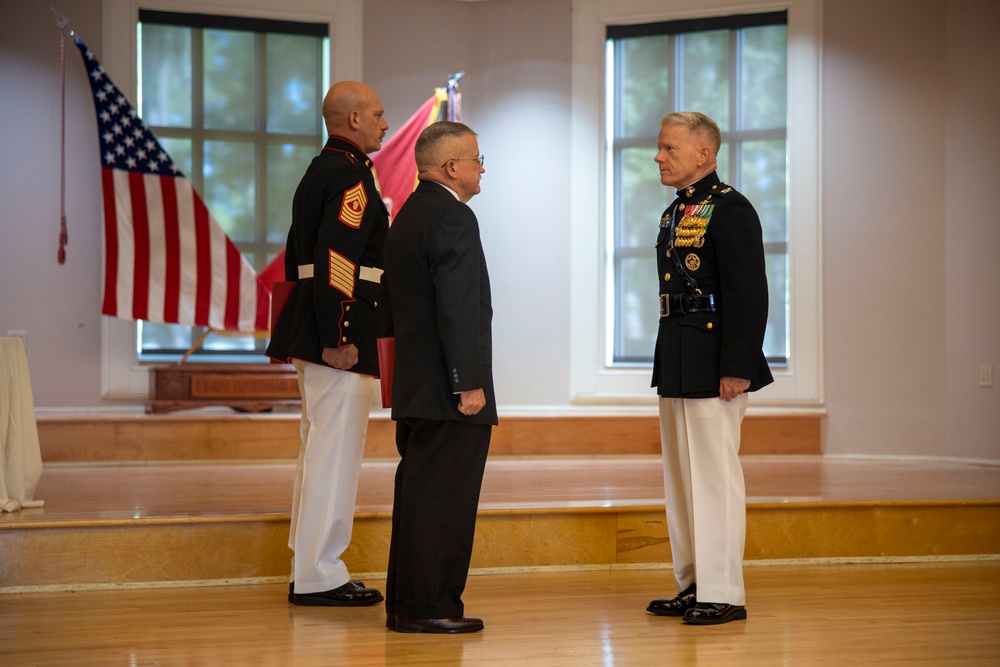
(351, 594)
(711, 613)
(450, 626)
(291, 588)
(675, 606)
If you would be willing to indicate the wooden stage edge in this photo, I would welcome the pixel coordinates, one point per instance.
(223, 435)
(150, 552)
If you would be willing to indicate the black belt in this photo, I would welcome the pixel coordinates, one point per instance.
(679, 304)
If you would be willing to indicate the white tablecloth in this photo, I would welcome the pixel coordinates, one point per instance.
(20, 457)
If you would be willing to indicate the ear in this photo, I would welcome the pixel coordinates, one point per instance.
(354, 118)
(704, 154)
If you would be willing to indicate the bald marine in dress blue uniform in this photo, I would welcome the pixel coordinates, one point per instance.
(327, 329)
(713, 313)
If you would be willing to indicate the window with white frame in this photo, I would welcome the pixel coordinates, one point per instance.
(733, 69)
(237, 104)
(613, 320)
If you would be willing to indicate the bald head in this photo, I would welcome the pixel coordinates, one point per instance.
(353, 111)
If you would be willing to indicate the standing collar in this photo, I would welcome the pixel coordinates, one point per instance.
(699, 188)
(347, 146)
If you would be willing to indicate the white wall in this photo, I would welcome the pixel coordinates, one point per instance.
(972, 228)
(516, 58)
(911, 94)
(59, 306)
(909, 116)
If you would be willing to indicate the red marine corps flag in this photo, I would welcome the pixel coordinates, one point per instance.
(166, 259)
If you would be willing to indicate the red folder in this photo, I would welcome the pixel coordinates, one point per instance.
(386, 358)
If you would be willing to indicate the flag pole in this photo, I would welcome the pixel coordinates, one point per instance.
(61, 23)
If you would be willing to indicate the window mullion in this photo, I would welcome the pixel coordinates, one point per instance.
(198, 109)
(735, 103)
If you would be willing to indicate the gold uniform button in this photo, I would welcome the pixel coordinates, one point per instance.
(375, 303)
(347, 324)
(344, 339)
(346, 308)
(666, 276)
(709, 325)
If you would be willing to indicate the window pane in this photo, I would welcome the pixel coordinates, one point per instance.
(776, 335)
(638, 309)
(763, 183)
(285, 166)
(705, 73)
(179, 151)
(293, 76)
(165, 83)
(230, 186)
(644, 84)
(722, 168)
(764, 75)
(219, 342)
(230, 90)
(643, 198)
(164, 336)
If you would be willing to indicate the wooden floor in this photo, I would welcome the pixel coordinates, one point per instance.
(904, 614)
(168, 547)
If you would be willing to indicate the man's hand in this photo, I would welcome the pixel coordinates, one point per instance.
(471, 402)
(730, 388)
(341, 358)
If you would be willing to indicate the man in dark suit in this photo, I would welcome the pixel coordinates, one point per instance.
(328, 329)
(443, 403)
(713, 312)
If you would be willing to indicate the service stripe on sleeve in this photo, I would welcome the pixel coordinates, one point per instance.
(342, 273)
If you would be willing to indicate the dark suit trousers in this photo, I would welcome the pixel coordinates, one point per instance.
(434, 515)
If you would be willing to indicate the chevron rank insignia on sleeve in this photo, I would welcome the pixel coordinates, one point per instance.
(341, 273)
(352, 210)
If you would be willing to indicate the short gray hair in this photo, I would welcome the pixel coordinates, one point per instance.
(695, 122)
(436, 138)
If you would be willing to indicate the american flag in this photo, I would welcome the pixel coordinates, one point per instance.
(166, 259)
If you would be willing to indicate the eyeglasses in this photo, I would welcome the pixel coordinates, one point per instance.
(478, 158)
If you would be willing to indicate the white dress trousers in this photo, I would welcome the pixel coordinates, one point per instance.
(335, 408)
(705, 494)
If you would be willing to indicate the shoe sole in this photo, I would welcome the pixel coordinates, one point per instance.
(740, 615)
(305, 601)
(414, 629)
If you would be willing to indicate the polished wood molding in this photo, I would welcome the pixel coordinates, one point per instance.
(197, 436)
